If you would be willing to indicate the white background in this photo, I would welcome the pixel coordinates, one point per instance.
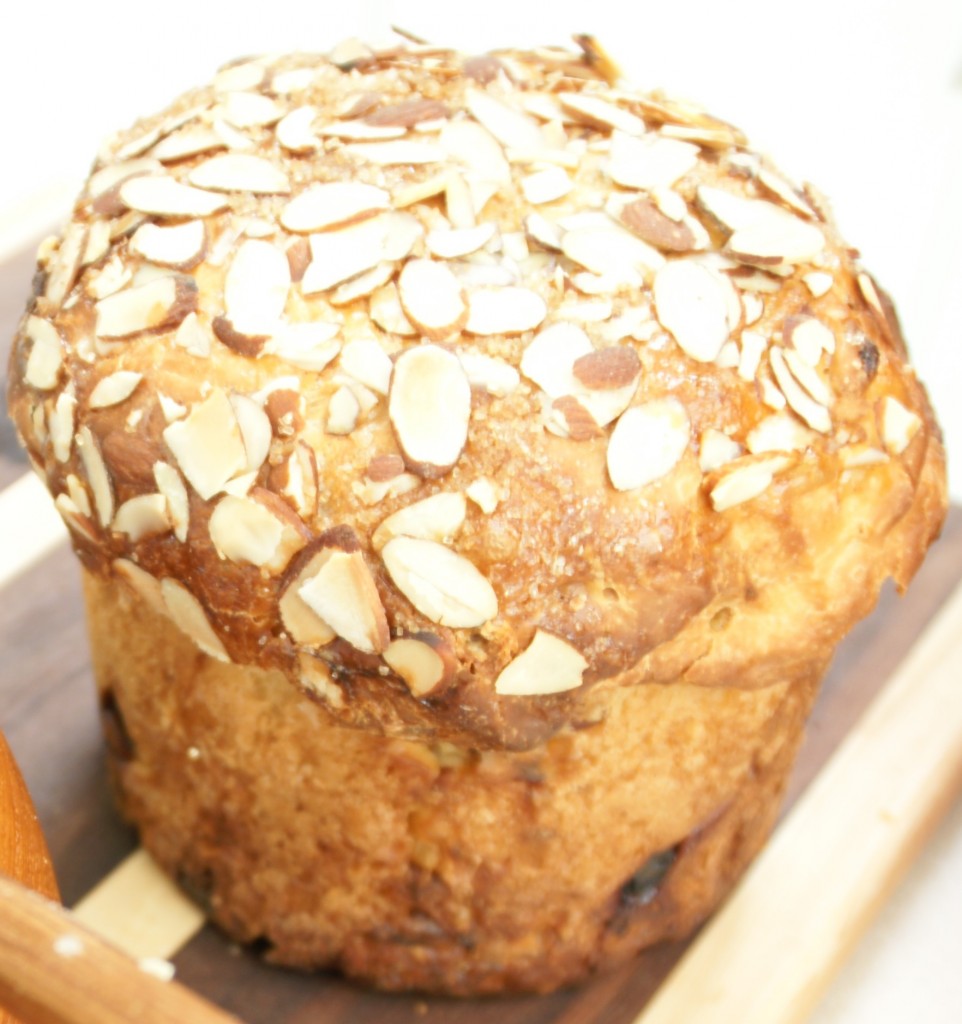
(863, 99)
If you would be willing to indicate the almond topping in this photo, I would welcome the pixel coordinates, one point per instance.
(166, 197)
(61, 425)
(208, 445)
(812, 412)
(442, 585)
(180, 245)
(430, 406)
(599, 113)
(244, 109)
(651, 225)
(818, 282)
(63, 268)
(46, 355)
(161, 303)
(343, 411)
(384, 467)
(610, 250)
(693, 306)
(549, 359)
(647, 443)
(475, 148)
(245, 530)
(510, 126)
(809, 337)
(899, 425)
(608, 368)
(255, 428)
(489, 373)
(450, 243)
(507, 310)
(342, 593)
(189, 615)
(386, 312)
(113, 389)
(650, 161)
(432, 298)
(437, 518)
(773, 237)
(779, 432)
(333, 204)
(359, 130)
(419, 661)
(97, 475)
(396, 151)
(716, 449)
(295, 130)
(408, 113)
(745, 482)
(188, 142)
(546, 186)
(255, 288)
(142, 516)
(573, 419)
(240, 172)
(171, 486)
(145, 586)
(311, 344)
(365, 360)
(548, 665)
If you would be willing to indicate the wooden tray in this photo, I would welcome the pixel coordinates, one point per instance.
(47, 711)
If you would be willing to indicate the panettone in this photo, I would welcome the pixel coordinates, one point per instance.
(473, 463)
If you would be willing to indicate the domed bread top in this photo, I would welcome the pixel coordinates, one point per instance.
(463, 389)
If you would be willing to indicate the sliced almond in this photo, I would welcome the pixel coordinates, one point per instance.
(651, 225)
(818, 282)
(779, 432)
(97, 476)
(245, 109)
(570, 418)
(437, 518)
(610, 250)
(545, 232)
(550, 357)
(809, 337)
(190, 141)
(485, 494)
(365, 360)
(343, 411)
(248, 74)
(812, 412)
(753, 346)
(171, 486)
(808, 377)
(789, 195)
(60, 422)
(608, 368)
(413, 192)
(63, 268)
(103, 184)
(424, 661)
(167, 197)
(774, 237)
(333, 204)
(295, 131)
(358, 130)
(255, 428)
(716, 449)
(310, 345)
(340, 255)
(46, 354)
(189, 615)
(432, 298)
(489, 373)
(546, 186)
(600, 113)
(284, 83)
(145, 586)
(650, 161)
(509, 125)
(508, 310)
(394, 152)
(383, 467)
(193, 336)
(98, 242)
(548, 665)
(461, 204)
(159, 304)
(408, 113)
(693, 306)
(899, 425)
(256, 288)
(451, 243)
(430, 407)
(342, 593)
(240, 172)
(364, 284)
(208, 445)
(180, 245)
(647, 443)
(386, 312)
(295, 478)
(245, 530)
(745, 482)
(142, 516)
(113, 389)
(441, 584)
(476, 149)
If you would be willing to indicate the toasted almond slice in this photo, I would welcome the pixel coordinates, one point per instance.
(430, 407)
(97, 476)
(716, 449)
(423, 661)
(256, 287)
(113, 389)
(570, 418)
(245, 530)
(166, 197)
(508, 310)
(396, 151)
(244, 109)
(333, 204)
(383, 467)
(408, 113)
(818, 282)
(358, 130)
(546, 186)
(854, 456)
(651, 225)
(342, 254)
(171, 486)
(342, 412)
(365, 360)
(188, 142)
(779, 432)
(255, 428)
(208, 444)
(65, 264)
(693, 306)
(311, 345)
(342, 593)
(142, 516)
(753, 346)
(899, 425)
(180, 245)
(473, 146)
(413, 192)
(550, 357)
(146, 587)
(161, 303)
(283, 83)
(450, 243)
(812, 412)
(240, 172)
(60, 423)
(432, 298)
(193, 336)
(775, 237)
(611, 251)
(509, 125)
(548, 665)
(608, 369)
(545, 232)
(809, 337)
(441, 584)
(97, 244)
(489, 373)
(105, 181)
(745, 482)
(788, 194)
(438, 518)
(808, 377)
(461, 201)
(647, 443)
(247, 75)
(650, 161)
(600, 113)
(754, 306)
(189, 615)
(386, 312)
(363, 284)
(46, 354)
(295, 130)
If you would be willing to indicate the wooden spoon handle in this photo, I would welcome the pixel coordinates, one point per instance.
(54, 971)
